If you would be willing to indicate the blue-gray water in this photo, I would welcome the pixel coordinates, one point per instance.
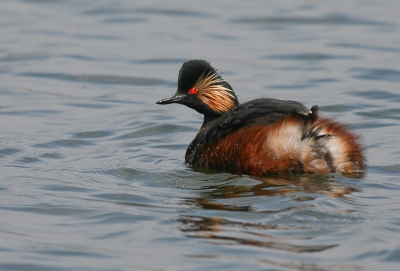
(92, 171)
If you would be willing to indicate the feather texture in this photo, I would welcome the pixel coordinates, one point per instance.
(212, 93)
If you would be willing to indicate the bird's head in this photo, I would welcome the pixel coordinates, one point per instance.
(200, 87)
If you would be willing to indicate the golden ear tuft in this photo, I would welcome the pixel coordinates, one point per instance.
(219, 98)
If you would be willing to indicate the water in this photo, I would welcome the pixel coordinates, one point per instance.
(92, 171)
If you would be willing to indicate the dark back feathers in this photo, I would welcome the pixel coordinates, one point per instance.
(257, 112)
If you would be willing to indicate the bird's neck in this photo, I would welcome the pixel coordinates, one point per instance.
(208, 119)
(211, 115)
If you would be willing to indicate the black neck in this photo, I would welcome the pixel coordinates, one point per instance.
(208, 119)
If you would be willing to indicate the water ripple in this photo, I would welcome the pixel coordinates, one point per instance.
(155, 130)
(31, 56)
(28, 160)
(31, 113)
(30, 266)
(75, 252)
(376, 95)
(8, 151)
(52, 155)
(68, 143)
(376, 74)
(129, 174)
(366, 47)
(98, 79)
(126, 20)
(173, 12)
(296, 20)
(93, 134)
(90, 105)
(311, 57)
(128, 199)
(119, 218)
(161, 61)
(385, 114)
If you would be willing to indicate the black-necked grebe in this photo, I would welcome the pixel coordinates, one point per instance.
(261, 136)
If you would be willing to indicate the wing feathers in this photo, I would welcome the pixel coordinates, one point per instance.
(257, 112)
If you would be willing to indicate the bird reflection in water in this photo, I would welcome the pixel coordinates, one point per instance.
(237, 218)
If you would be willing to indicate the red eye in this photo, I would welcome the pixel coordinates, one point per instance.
(192, 91)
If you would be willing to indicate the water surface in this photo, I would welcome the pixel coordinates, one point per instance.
(92, 171)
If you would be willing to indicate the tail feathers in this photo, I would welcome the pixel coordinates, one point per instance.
(336, 144)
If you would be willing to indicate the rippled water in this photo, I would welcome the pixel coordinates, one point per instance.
(92, 171)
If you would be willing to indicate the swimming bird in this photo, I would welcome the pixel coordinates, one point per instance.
(262, 136)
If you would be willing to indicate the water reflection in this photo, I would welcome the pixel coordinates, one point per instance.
(280, 185)
(280, 213)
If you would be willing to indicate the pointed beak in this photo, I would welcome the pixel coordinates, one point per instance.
(176, 98)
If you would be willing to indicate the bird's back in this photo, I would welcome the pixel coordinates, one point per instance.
(272, 136)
